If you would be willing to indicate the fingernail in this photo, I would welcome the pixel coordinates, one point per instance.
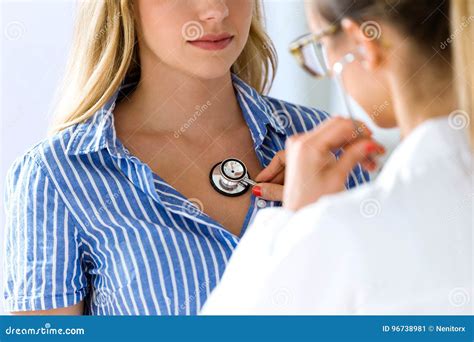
(370, 148)
(374, 148)
(257, 191)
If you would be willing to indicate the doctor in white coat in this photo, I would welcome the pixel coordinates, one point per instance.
(403, 244)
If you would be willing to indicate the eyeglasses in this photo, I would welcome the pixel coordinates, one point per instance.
(310, 52)
(311, 55)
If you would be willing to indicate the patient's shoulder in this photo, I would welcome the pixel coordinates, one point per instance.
(48, 155)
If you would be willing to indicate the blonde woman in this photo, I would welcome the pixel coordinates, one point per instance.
(404, 244)
(114, 213)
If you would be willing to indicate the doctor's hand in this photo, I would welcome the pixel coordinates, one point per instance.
(307, 169)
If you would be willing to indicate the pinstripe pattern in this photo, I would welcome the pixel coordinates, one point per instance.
(88, 221)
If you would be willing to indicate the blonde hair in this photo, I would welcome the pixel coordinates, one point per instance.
(105, 51)
(462, 23)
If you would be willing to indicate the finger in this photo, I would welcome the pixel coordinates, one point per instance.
(269, 191)
(363, 152)
(276, 165)
(369, 165)
(278, 179)
(371, 162)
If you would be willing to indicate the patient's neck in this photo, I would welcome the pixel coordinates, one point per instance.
(422, 96)
(167, 100)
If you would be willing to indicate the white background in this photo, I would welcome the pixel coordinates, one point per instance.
(35, 39)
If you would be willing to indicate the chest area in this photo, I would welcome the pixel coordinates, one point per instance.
(187, 167)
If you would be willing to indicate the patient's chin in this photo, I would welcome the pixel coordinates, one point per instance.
(209, 71)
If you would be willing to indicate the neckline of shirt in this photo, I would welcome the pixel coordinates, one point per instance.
(98, 131)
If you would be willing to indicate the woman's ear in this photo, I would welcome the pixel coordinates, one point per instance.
(367, 38)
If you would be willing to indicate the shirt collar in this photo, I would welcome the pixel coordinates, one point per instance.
(98, 132)
(257, 112)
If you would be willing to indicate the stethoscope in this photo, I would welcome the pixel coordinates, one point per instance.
(230, 177)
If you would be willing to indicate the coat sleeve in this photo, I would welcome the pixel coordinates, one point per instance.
(290, 264)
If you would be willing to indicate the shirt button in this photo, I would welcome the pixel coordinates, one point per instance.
(261, 203)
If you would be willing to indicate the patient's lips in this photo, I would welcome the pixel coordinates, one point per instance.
(213, 41)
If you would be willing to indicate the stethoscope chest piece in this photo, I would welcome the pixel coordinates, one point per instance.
(230, 177)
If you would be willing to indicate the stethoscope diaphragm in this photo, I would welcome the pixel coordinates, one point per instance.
(230, 177)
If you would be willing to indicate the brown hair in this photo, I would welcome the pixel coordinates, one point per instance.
(445, 26)
(105, 52)
(425, 21)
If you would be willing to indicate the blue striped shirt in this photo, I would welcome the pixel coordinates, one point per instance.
(86, 220)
